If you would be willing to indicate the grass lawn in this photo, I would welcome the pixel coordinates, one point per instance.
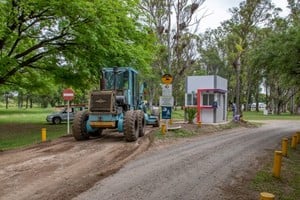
(22, 127)
(249, 115)
(287, 187)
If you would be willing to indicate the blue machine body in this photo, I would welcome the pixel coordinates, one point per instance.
(120, 92)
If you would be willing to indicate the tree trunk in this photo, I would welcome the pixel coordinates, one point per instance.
(238, 71)
(27, 100)
(257, 99)
(20, 100)
(31, 102)
(6, 100)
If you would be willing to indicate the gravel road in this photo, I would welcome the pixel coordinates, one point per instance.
(198, 168)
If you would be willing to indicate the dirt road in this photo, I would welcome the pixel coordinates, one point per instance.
(64, 168)
(208, 167)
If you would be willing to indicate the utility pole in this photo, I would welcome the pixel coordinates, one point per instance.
(169, 36)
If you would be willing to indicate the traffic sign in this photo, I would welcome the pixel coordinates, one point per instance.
(166, 89)
(166, 101)
(167, 79)
(166, 112)
(68, 94)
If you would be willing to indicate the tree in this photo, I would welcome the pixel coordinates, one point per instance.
(175, 24)
(70, 41)
(279, 56)
(241, 28)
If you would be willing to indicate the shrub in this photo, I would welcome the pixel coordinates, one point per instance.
(191, 112)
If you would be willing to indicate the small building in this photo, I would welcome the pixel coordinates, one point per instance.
(208, 94)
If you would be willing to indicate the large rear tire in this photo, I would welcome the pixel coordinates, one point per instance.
(141, 122)
(79, 125)
(131, 126)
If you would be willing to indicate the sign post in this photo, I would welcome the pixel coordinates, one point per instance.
(166, 101)
(68, 95)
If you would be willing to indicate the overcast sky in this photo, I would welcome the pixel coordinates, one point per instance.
(219, 11)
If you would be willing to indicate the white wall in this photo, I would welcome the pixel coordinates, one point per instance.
(207, 116)
(193, 83)
(221, 83)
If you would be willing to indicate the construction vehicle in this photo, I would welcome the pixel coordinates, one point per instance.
(117, 105)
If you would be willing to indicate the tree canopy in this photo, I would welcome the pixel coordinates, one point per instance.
(70, 40)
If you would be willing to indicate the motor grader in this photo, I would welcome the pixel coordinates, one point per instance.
(118, 104)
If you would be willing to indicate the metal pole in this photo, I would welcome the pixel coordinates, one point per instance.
(68, 118)
(169, 36)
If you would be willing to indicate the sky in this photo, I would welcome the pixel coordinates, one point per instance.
(219, 11)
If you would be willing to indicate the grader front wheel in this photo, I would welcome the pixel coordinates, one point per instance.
(131, 127)
(141, 122)
(79, 125)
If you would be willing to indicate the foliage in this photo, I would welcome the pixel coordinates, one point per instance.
(278, 56)
(46, 45)
(191, 112)
(175, 24)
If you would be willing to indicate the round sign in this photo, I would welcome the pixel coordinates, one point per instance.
(68, 94)
(167, 79)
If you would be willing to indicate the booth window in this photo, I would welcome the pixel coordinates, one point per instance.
(208, 99)
(191, 99)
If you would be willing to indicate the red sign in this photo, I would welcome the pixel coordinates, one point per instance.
(68, 94)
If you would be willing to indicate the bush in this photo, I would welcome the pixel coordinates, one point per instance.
(191, 112)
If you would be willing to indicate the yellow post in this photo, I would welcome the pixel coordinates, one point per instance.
(266, 196)
(298, 134)
(284, 146)
(199, 124)
(44, 134)
(294, 142)
(277, 164)
(163, 129)
(170, 121)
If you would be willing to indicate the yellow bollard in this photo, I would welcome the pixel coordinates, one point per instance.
(277, 164)
(298, 134)
(284, 146)
(266, 196)
(170, 121)
(44, 134)
(199, 124)
(294, 142)
(163, 129)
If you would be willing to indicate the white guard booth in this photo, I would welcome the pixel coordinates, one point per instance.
(208, 94)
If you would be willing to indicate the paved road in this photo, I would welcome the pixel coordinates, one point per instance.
(198, 168)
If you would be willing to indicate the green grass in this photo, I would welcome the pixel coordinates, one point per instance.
(287, 187)
(249, 115)
(178, 114)
(22, 127)
(260, 116)
(13, 115)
